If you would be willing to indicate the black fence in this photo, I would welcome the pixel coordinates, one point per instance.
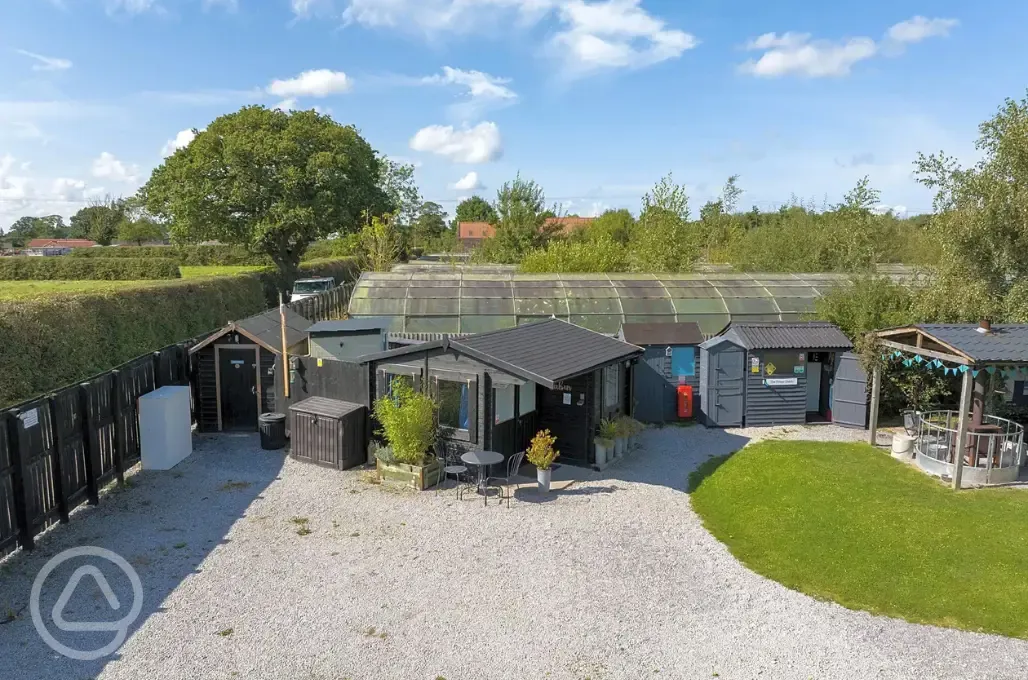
(59, 450)
(331, 379)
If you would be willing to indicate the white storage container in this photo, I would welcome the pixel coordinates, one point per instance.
(165, 430)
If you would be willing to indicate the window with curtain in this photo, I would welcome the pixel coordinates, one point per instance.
(453, 403)
(683, 361)
(610, 386)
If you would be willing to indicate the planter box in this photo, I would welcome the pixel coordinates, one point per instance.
(417, 477)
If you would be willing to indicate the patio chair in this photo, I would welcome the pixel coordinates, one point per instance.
(513, 465)
(451, 465)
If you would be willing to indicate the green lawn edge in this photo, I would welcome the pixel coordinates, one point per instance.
(847, 523)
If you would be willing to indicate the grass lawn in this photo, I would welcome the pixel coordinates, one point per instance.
(17, 290)
(845, 522)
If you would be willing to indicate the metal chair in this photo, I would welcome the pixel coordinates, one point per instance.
(513, 465)
(451, 465)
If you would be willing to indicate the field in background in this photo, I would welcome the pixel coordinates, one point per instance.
(18, 290)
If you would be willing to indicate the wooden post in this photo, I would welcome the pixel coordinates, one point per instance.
(517, 418)
(876, 393)
(90, 447)
(59, 482)
(966, 388)
(157, 378)
(285, 349)
(118, 437)
(22, 521)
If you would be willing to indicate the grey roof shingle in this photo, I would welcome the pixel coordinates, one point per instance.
(1006, 342)
(677, 333)
(267, 328)
(789, 335)
(546, 352)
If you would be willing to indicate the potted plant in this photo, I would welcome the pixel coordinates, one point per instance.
(541, 454)
(621, 438)
(408, 420)
(634, 428)
(605, 435)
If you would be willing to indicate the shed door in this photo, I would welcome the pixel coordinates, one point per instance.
(849, 392)
(728, 366)
(654, 397)
(237, 376)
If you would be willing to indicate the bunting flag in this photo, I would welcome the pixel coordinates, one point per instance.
(919, 358)
(974, 373)
(990, 370)
(907, 362)
(963, 369)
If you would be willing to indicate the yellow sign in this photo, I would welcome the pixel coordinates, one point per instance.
(770, 368)
(319, 363)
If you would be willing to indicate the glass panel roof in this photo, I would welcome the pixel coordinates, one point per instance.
(472, 301)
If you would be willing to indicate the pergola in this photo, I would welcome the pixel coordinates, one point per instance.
(976, 351)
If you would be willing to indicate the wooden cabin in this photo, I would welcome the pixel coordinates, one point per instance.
(233, 370)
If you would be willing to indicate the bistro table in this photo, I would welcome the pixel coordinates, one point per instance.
(482, 460)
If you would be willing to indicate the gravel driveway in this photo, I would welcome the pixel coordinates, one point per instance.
(258, 567)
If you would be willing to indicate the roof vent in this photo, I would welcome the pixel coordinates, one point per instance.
(984, 327)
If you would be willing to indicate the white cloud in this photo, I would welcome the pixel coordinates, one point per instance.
(229, 5)
(479, 144)
(919, 28)
(44, 63)
(180, 141)
(478, 84)
(133, 6)
(796, 54)
(286, 105)
(592, 35)
(616, 34)
(66, 189)
(468, 182)
(307, 8)
(109, 167)
(318, 83)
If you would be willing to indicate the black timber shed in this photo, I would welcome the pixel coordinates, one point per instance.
(780, 373)
(234, 369)
(497, 389)
(671, 358)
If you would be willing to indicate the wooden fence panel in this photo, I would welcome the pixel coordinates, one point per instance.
(67, 422)
(8, 519)
(34, 445)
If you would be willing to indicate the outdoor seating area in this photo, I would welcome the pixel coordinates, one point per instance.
(992, 454)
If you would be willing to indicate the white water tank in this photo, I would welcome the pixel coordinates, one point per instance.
(165, 429)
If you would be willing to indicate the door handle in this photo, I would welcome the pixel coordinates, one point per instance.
(253, 390)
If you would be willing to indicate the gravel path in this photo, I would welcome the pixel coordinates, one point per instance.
(613, 578)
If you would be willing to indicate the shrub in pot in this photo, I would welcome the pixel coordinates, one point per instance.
(408, 420)
(621, 438)
(605, 435)
(634, 428)
(541, 454)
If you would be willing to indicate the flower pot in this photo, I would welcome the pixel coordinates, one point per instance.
(543, 477)
(619, 446)
(602, 450)
(633, 441)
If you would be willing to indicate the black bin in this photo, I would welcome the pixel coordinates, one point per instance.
(273, 431)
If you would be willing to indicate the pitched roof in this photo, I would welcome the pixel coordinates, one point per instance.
(678, 333)
(785, 335)
(1006, 342)
(265, 329)
(60, 243)
(371, 323)
(546, 352)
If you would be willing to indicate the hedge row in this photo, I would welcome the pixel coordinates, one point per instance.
(82, 269)
(50, 342)
(184, 256)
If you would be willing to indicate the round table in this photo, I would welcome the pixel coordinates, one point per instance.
(482, 460)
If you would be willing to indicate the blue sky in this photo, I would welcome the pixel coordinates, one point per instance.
(594, 99)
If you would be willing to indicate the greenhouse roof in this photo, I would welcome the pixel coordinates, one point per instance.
(475, 302)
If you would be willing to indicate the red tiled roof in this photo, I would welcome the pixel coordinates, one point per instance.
(475, 230)
(60, 243)
(479, 230)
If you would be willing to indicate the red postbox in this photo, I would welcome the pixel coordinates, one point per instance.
(685, 401)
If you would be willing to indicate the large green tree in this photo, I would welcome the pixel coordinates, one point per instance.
(429, 225)
(271, 181)
(520, 211)
(981, 222)
(25, 229)
(100, 220)
(475, 209)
